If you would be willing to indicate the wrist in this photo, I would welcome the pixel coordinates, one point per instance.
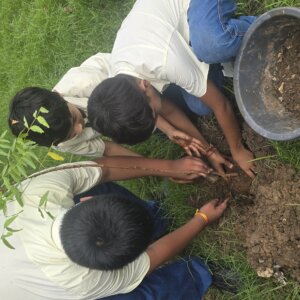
(237, 148)
(200, 215)
(209, 150)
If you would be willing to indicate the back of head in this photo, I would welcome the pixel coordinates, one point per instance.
(106, 232)
(31, 99)
(118, 109)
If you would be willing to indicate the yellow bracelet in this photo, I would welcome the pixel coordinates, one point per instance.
(202, 215)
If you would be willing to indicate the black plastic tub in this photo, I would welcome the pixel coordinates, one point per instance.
(257, 102)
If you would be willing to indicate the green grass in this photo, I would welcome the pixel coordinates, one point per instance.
(41, 39)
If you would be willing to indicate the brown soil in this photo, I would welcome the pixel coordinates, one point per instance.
(268, 206)
(284, 74)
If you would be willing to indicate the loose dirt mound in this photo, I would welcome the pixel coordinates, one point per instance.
(285, 73)
(269, 225)
(271, 228)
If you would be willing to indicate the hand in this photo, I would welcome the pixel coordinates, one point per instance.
(192, 146)
(243, 158)
(218, 162)
(214, 209)
(86, 198)
(181, 181)
(189, 168)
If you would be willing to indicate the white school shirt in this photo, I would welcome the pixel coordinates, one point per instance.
(153, 44)
(75, 87)
(38, 268)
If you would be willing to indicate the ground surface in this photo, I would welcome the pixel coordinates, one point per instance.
(268, 207)
(285, 73)
(280, 82)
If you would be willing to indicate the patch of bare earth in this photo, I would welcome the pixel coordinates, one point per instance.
(268, 207)
(285, 84)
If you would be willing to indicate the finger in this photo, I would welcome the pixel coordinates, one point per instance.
(220, 170)
(199, 164)
(250, 173)
(225, 201)
(253, 171)
(197, 142)
(188, 151)
(214, 202)
(85, 198)
(196, 175)
(183, 137)
(195, 150)
(228, 164)
(182, 181)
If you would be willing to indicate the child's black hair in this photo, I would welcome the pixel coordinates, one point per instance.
(118, 109)
(31, 99)
(106, 232)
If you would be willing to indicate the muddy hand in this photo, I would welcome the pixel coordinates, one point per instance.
(244, 158)
(218, 162)
(214, 209)
(192, 146)
(189, 168)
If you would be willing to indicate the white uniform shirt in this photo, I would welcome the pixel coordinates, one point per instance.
(153, 44)
(38, 268)
(75, 87)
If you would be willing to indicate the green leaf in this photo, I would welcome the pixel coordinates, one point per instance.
(25, 122)
(50, 215)
(22, 136)
(55, 156)
(6, 182)
(44, 110)
(15, 175)
(35, 114)
(29, 162)
(44, 199)
(4, 209)
(12, 230)
(2, 203)
(21, 170)
(9, 221)
(42, 121)
(7, 234)
(5, 141)
(40, 211)
(6, 243)
(33, 155)
(37, 129)
(3, 153)
(3, 134)
(17, 195)
(3, 146)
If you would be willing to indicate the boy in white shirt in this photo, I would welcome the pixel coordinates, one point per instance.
(101, 247)
(67, 104)
(164, 42)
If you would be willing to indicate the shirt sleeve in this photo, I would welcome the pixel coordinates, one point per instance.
(61, 183)
(184, 69)
(87, 143)
(79, 82)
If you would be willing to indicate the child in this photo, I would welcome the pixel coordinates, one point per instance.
(67, 104)
(171, 41)
(101, 247)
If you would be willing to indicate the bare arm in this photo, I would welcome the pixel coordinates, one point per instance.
(126, 167)
(226, 118)
(173, 243)
(192, 141)
(113, 149)
(179, 120)
(175, 116)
